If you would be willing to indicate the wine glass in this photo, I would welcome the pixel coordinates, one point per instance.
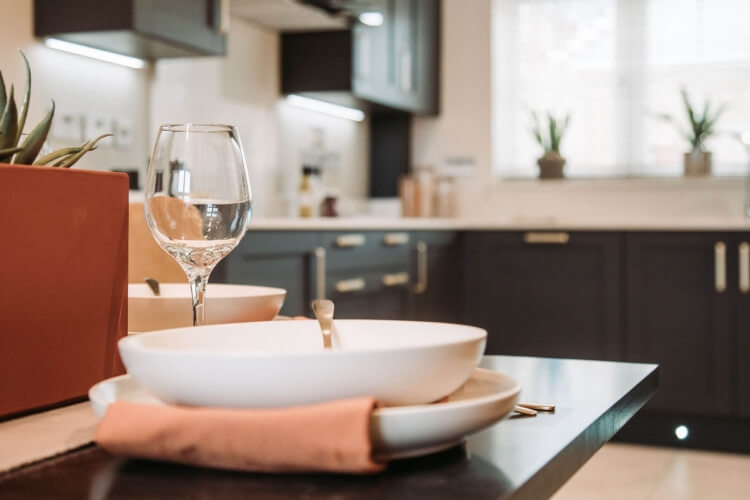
(198, 199)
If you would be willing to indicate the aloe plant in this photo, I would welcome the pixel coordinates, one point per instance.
(551, 136)
(12, 122)
(701, 123)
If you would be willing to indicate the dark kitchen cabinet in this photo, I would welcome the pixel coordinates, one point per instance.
(679, 308)
(396, 64)
(438, 276)
(740, 246)
(147, 29)
(367, 273)
(391, 67)
(280, 259)
(546, 293)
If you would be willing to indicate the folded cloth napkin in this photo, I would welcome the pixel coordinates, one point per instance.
(326, 437)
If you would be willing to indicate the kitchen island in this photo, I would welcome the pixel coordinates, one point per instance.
(517, 458)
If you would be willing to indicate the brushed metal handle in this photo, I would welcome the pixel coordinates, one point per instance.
(219, 16)
(405, 70)
(320, 272)
(744, 258)
(546, 238)
(350, 285)
(395, 279)
(395, 239)
(350, 240)
(720, 266)
(421, 284)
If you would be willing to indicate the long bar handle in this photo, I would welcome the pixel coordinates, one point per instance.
(350, 240)
(395, 279)
(421, 285)
(744, 261)
(546, 238)
(350, 285)
(320, 272)
(720, 266)
(395, 239)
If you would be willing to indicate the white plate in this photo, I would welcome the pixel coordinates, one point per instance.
(224, 304)
(401, 432)
(283, 363)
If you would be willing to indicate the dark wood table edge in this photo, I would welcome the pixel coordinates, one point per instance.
(575, 454)
(558, 470)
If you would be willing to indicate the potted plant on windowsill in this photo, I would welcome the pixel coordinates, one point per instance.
(697, 162)
(63, 303)
(552, 162)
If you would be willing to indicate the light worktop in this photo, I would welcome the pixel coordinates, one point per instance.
(500, 223)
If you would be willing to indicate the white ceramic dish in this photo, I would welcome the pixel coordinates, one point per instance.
(224, 304)
(282, 363)
(401, 432)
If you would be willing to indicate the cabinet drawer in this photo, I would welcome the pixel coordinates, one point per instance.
(357, 282)
(366, 249)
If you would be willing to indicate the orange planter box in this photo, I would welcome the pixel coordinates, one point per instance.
(63, 279)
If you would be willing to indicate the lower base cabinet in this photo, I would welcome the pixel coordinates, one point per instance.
(545, 293)
(280, 259)
(679, 299)
(679, 309)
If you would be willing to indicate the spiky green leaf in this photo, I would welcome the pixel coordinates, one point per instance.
(34, 141)
(9, 123)
(26, 97)
(57, 154)
(85, 149)
(3, 95)
(7, 154)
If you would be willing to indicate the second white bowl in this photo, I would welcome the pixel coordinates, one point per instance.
(282, 363)
(173, 308)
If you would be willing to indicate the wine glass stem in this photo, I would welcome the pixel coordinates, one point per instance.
(198, 279)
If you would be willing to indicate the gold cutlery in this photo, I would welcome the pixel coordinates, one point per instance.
(323, 310)
(531, 409)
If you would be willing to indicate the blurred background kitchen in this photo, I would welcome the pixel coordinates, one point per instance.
(613, 66)
(629, 249)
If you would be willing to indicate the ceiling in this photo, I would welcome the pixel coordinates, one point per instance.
(285, 15)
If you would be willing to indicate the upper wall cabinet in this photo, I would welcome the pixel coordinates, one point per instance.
(397, 63)
(147, 29)
(394, 65)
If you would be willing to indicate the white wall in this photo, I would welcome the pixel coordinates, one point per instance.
(77, 84)
(243, 89)
(463, 127)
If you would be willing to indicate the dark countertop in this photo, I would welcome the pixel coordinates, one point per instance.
(518, 458)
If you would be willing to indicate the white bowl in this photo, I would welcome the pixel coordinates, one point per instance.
(283, 363)
(224, 304)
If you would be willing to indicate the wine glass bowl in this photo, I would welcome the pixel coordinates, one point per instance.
(198, 199)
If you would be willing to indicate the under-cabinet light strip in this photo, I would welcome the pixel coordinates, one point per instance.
(102, 55)
(298, 101)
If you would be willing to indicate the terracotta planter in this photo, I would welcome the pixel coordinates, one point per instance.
(697, 164)
(63, 303)
(551, 166)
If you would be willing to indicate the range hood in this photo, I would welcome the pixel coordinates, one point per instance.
(146, 29)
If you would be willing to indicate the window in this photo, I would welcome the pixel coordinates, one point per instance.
(614, 65)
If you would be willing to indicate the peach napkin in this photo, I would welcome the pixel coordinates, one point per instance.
(327, 437)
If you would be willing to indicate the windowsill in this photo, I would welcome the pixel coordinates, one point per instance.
(626, 183)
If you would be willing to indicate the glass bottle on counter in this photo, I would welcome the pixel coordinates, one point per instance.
(306, 193)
